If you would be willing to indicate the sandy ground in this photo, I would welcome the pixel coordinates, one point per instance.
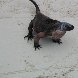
(17, 56)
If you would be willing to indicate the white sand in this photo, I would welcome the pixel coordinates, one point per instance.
(17, 56)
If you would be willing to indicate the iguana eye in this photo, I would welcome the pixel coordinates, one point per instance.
(66, 25)
(48, 21)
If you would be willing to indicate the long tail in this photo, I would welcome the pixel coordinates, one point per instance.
(37, 8)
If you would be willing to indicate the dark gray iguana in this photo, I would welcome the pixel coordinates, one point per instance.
(44, 26)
